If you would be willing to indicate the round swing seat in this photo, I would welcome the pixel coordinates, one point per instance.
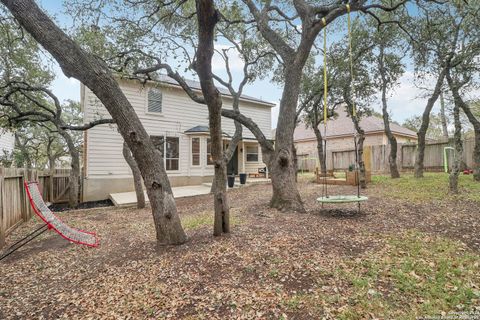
(342, 199)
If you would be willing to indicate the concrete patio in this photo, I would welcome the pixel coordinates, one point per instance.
(124, 199)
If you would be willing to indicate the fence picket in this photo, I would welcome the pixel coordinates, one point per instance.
(342, 159)
(14, 205)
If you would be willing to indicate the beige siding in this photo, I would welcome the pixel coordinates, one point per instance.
(342, 143)
(245, 166)
(306, 150)
(6, 142)
(104, 148)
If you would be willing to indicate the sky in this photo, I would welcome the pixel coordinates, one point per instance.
(404, 101)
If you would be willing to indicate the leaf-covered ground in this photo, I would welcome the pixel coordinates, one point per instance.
(397, 259)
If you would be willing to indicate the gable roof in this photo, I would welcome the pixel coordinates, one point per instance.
(195, 85)
(343, 126)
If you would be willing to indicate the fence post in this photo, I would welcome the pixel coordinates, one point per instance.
(2, 199)
(22, 172)
(50, 185)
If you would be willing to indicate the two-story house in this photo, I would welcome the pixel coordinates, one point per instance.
(178, 127)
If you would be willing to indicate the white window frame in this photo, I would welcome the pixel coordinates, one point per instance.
(206, 152)
(247, 153)
(165, 154)
(199, 152)
(147, 111)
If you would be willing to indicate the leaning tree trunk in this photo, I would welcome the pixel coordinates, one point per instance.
(137, 176)
(457, 141)
(422, 132)
(282, 163)
(96, 75)
(208, 17)
(392, 158)
(475, 123)
(74, 183)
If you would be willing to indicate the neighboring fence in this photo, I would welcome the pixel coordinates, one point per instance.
(14, 205)
(376, 157)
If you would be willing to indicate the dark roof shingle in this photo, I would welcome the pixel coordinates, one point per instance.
(196, 86)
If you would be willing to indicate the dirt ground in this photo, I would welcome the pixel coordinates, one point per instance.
(256, 272)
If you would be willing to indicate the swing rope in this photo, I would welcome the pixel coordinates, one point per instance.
(352, 97)
(340, 199)
(325, 107)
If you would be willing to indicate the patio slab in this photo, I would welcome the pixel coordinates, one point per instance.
(130, 198)
(123, 199)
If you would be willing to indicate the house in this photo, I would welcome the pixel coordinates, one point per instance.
(177, 126)
(7, 142)
(340, 135)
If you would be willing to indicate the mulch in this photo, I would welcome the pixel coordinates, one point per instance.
(248, 274)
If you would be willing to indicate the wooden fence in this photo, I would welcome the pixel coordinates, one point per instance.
(14, 205)
(376, 157)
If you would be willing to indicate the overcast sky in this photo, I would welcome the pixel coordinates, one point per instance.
(404, 102)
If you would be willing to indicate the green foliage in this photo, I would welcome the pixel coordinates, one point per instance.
(20, 55)
(434, 131)
(6, 158)
(339, 76)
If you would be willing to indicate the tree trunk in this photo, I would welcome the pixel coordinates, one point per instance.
(282, 163)
(96, 75)
(361, 164)
(475, 123)
(422, 132)
(232, 146)
(26, 161)
(51, 163)
(320, 151)
(137, 176)
(208, 17)
(457, 140)
(74, 183)
(392, 158)
(443, 117)
(359, 139)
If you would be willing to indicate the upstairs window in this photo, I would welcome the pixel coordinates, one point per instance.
(252, 153)
(154, 101)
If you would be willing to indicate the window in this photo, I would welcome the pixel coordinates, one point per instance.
(195, 151)
(209, 152)
(172, 153)
(169, 150)
(154, 101)
(252, 153)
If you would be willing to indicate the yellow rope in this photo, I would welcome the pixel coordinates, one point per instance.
(352, 92)
(325, 80)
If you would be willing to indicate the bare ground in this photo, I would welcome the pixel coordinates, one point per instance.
(254, 273)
